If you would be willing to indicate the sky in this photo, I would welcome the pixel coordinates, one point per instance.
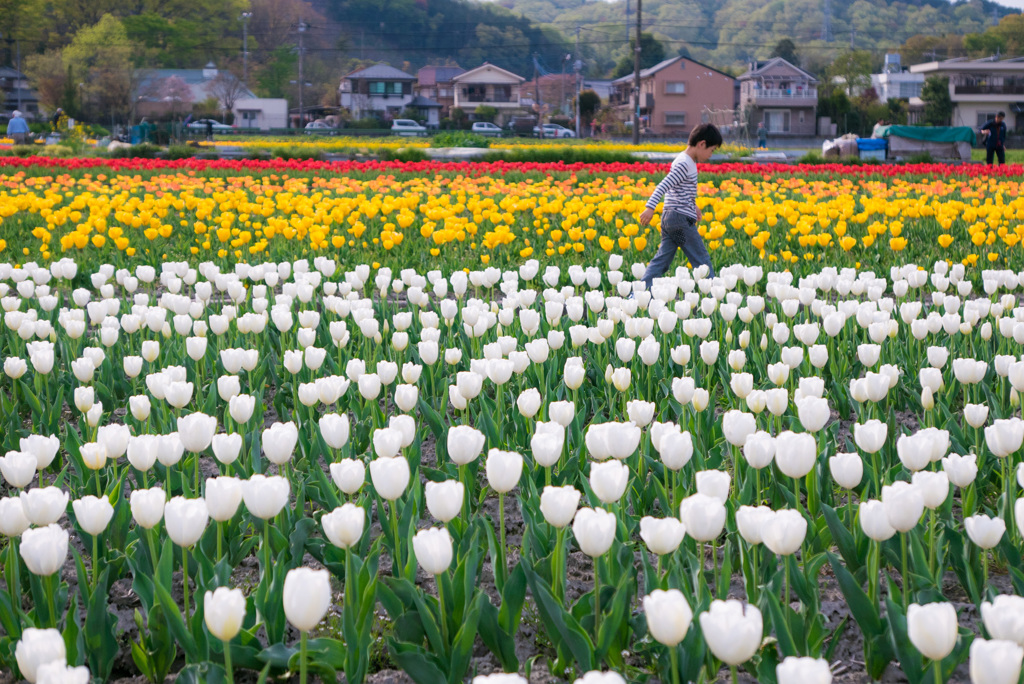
(1016, 4)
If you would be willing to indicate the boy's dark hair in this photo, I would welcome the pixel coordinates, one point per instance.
(1001, 115)
(709, 133)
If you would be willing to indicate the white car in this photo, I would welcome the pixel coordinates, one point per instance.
(407, 127)
(218, 127)
(554, 131)
(486, 128)
(319, 127)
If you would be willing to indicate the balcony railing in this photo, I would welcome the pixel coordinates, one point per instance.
(779, 94)
(501, 99)
(1004, 89)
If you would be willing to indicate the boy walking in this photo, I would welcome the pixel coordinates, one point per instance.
(680, 215)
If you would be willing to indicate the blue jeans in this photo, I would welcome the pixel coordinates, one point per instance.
(678, 231)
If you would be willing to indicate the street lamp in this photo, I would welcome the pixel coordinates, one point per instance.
(245, 48)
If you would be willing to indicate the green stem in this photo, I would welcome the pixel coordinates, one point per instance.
(937, 669)
(150, 534)
(501, 524)
(220, 540)
(440, 605)
(932, 542)
(984, 571)
(701, 583)
(396, 559)
(302, 658)
(95, 559)
(227, 663)
(906, 575)
(96, 475)
(734, 674)
(673, 656)
(785, 572)
(556, 565)
(714, 566)
(184, 578)
(753, 592)
(597, 597)
(266, 548)
(51, 597)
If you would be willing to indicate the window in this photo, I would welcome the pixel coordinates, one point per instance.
(909, 90)
(378, 87)
(675, 88)
(396, 88)
(776, 120)
(675, 118)
(985, 117)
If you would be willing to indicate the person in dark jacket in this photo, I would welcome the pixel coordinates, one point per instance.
(994, 135)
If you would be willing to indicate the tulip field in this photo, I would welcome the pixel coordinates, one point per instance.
(422, 422)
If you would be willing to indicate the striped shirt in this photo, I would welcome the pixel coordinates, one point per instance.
(679, 188)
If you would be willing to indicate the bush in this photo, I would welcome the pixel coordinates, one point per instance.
(262, 155)
(141, 151)
(57, 151)
(569, 155)
(920, 158)
(180, 152)
(404, 154)
(367, 123)
(314, 154)
(24, 150)
(459, 139)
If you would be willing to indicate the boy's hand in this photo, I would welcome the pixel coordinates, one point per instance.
(646, 217)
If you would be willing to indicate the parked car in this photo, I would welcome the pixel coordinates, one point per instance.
(554, 131)
(218, 127)
(320, 126)
(522, 125)
(407, 127)
(486, 128)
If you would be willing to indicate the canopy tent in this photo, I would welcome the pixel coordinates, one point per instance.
(944, 142)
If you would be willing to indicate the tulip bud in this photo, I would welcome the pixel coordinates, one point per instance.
(784, 532)
(44, 549)
(995, 662)
(847, 470)
(265, 496)
(703, 516)
(344, 525)
(608, 480)
(594, 530)
(185, 520)
(504, 469)
(224, 612)
(668, 616)
(307, 596)
(932, 629)
(558, 504)
(662, 535)
(713, 483)
(37, 648)
(732, 630)
(903, 505)
(390, 477)
(806, 670)
(464, 444)
(984, 531)
(750, 521)
(44, 505)
(433, 549)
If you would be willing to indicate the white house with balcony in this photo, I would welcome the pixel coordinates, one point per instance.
(781, 95)
(380, 90)
(979, 88)
(491, 86)
(895, 82)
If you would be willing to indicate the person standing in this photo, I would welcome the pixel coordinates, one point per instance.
(680, 214)
(209, 130)
(762, 135)
(994, 135)
(17, 128)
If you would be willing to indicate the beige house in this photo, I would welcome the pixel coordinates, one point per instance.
(675, 95)
(981, 87)
(489, 85)
(783, 96)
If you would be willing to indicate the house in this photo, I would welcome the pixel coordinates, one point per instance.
(171, 92)
(602, 87)
(17, 95)
(380, 90)
(675, 95)
(783, 96)
(981, 87)
(491, 86)
(261, 113)
(428, 110)
(435, 83)
(896, 83)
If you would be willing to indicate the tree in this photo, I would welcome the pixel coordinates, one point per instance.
(853, 68)
(589, 103)
(101, 57)
(651, 52)
(786, 49)
(173, 91)
(485, 113)
(938, 106)
(228, 89)
(48, 76)
(984, 44)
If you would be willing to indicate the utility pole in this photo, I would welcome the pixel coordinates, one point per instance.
(627, 22)
(577, 67)
(536, 96)
(853, 34)
(302, 32)
(636, 74)
(245, 48)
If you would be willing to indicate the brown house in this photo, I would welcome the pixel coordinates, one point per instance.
(435, 83)
(782, 96)
(675, 95)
